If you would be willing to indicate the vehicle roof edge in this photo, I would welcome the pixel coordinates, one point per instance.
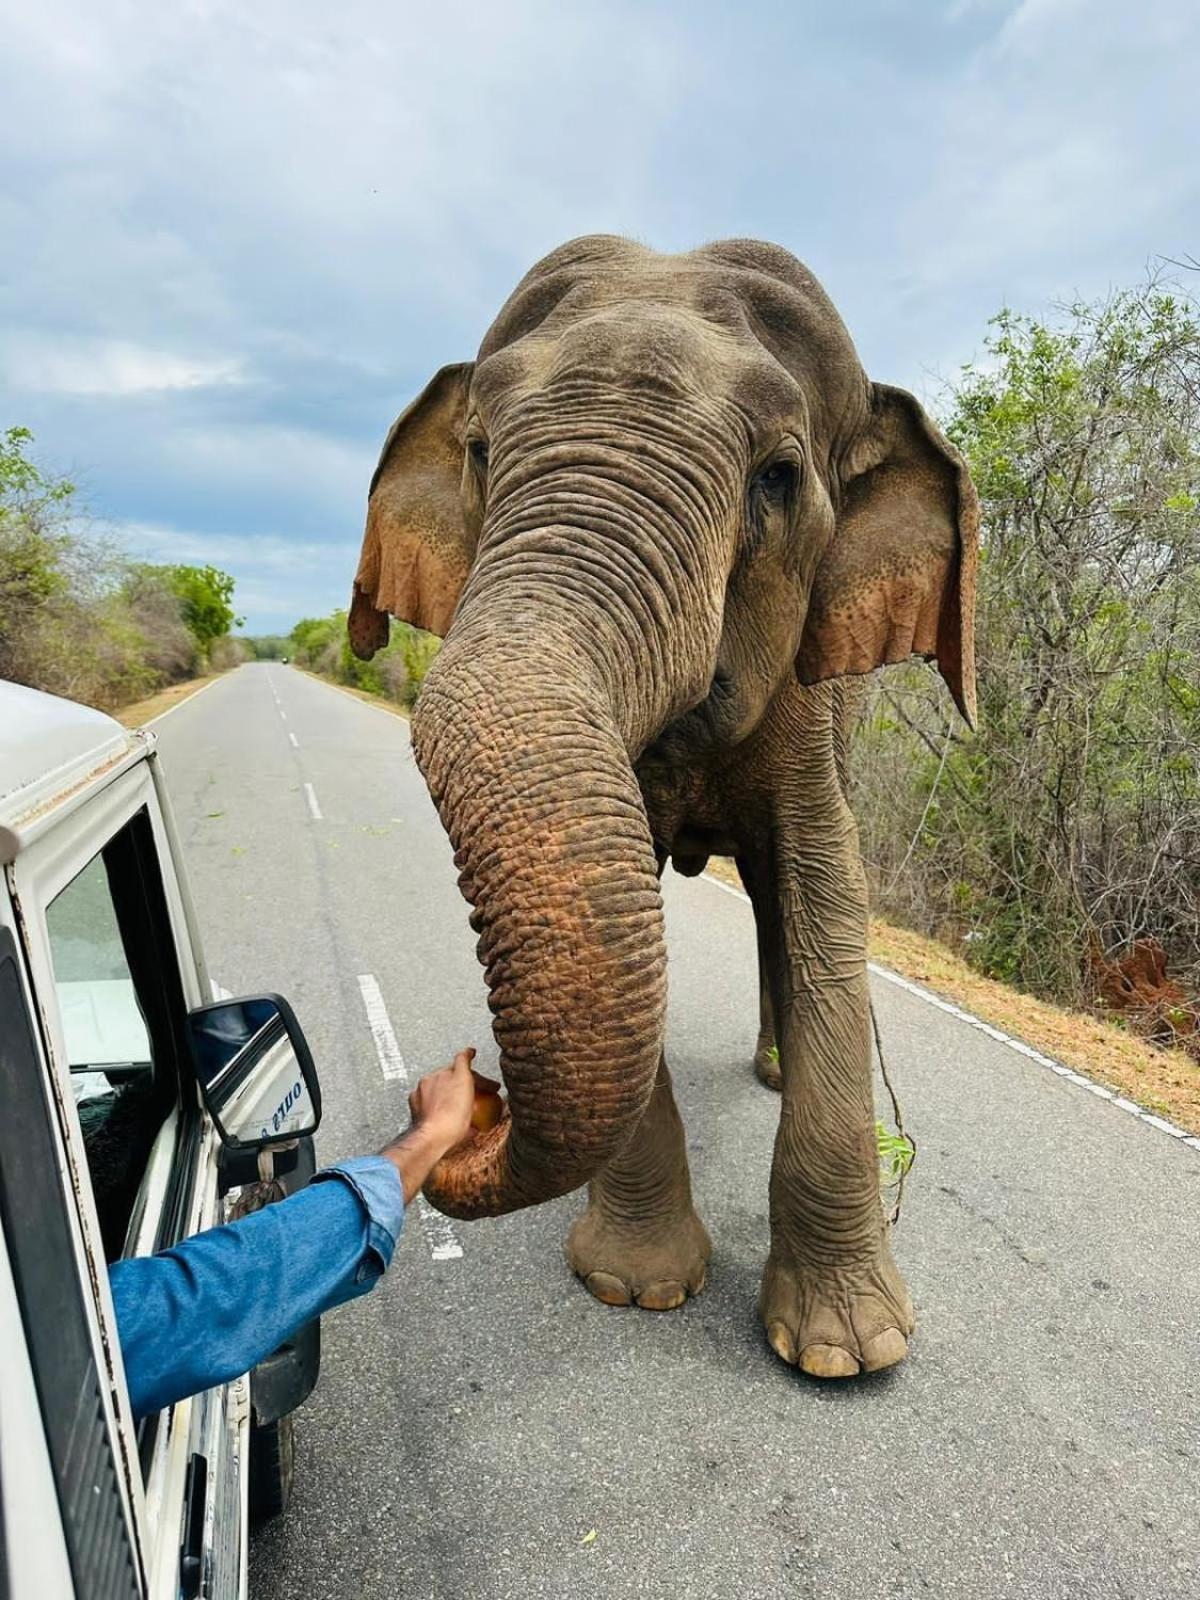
(51, 749)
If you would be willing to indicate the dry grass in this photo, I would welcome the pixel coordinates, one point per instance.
(1164, 1081)
(143, 711)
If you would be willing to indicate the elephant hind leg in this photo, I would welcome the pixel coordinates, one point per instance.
(766, 1051)
(640, 1240)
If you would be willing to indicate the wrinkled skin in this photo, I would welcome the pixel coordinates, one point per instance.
(658, 521)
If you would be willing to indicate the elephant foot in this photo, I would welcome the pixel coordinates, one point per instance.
(834, 1322)
(655, 1268)
(766, 1065)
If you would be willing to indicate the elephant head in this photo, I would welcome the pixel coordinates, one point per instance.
(664, 484)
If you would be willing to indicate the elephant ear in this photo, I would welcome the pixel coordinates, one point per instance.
(417, 547)
(898, 577)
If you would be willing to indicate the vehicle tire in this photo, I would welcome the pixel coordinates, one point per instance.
(272, 1468)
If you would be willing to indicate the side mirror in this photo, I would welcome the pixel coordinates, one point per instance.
(255, 1071)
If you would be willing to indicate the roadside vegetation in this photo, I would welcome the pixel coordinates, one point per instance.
(396, 673)
(1058, 848)
(79, 617)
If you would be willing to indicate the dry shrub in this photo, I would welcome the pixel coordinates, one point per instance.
(1073, 815)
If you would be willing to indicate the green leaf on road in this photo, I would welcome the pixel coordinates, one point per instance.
(589, 1537)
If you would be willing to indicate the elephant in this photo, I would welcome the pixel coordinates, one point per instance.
(660, 522)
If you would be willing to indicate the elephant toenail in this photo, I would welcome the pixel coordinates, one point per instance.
(607, 1288)
(827, 1361)
(662, 1296)
(884, 1350)
(781, 1342)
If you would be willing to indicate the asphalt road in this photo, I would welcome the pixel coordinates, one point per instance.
(483, 1428)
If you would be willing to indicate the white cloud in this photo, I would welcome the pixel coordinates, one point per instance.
(58, 364)
(237, 238)
(266, 553)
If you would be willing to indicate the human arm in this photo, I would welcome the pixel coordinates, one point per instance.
(214, 1305)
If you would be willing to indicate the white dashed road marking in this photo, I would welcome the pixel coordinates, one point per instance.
(1056, 1067)
(443, 1245)
(439, 1232)
(390, 1060)
(310, 794)
(295, 741)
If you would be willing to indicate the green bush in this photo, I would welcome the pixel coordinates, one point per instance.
(396, 672)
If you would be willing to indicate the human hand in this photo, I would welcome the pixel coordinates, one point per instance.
(441, 1104)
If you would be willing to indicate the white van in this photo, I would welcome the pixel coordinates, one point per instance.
(133, 1112)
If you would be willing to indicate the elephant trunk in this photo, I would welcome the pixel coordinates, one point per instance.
(517, 738)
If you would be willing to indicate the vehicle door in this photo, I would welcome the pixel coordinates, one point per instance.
(109, 954)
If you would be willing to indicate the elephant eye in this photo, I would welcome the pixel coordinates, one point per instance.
(778, 479)
(477, 449)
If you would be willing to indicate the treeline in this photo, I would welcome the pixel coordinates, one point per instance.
(397, 671)
(1068, 826)
(78, 617)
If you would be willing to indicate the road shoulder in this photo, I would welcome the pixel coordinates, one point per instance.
(1164, 1083)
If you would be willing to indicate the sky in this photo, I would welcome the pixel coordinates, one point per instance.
(236, 239)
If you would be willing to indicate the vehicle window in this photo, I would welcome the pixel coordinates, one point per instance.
(124, 1084)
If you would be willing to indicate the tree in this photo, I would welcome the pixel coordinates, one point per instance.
(33, 546)
(206, 596)
(1073, 817)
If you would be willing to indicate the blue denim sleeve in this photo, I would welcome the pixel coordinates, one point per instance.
(208, 1309)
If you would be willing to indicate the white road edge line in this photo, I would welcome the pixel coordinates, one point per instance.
(295, 741)
(1056, 1067)
(439, 1232)
(186, 701)
(310, 794)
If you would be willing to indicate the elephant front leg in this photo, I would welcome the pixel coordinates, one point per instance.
(832, 1299)
(640, 1240)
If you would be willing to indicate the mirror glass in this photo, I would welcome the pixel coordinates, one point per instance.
(255, 1072)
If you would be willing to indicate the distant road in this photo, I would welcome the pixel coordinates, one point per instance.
(480, 1415)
